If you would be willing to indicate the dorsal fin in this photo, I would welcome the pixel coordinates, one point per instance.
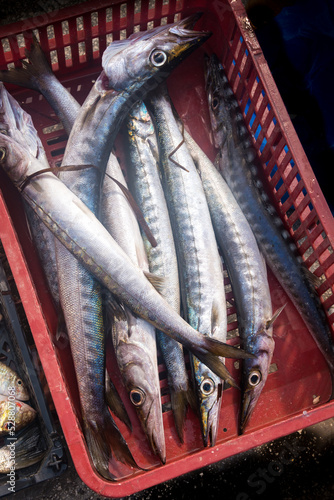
(270, 322)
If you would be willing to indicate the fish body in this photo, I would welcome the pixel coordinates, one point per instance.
(80, 231)
(129, 66)
(144, 180)
(16, 123)
(200, 269)
(80, 301)
(247, 271)
(11, 383)
(14, 414)
(240, 169)
(133, 338)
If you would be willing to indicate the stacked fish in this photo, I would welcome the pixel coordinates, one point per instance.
(15, 415)
(107, 274)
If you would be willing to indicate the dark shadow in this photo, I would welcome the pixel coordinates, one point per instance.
(298, 44)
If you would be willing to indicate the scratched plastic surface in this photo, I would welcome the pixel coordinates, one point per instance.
(298, 388)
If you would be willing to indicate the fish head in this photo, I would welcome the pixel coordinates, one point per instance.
(209, 395)
(142, 384)
(17, 124)
(150, 56)
(14, 159)
(255, 373)
(219, 95)
(15, 414)
(20, 390)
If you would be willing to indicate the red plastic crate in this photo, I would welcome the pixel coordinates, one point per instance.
(297, 391)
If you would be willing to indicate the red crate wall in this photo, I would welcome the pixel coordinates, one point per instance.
(289, 393)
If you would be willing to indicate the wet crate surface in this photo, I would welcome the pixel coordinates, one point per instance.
(299, 386)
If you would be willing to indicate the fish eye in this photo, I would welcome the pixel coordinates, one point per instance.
(254, 378)
(158, 57)
(215, 103)
(137, 397)
(207, 386)
(19, 382)
(2, 154)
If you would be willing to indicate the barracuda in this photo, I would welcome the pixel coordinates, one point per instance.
(239, 167)
(145, 184)
(200, 269)
(247, 271)
(77, 221)
(133, 338)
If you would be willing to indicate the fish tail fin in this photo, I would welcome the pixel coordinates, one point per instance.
(210, 351)
(115, 403)
(180, 399)
(28, 76)
(105, 440)
(27, 451)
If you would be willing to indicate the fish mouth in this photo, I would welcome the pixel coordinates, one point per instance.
(210, 419)
(248, 403)
(155, 433)
(186, 35)
(186, 25)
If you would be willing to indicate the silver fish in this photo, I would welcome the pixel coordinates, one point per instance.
(133, 338)
(90, 143)
(18, 125)
(201, 274)
(98, 423)
(91, 243)
(145, 184)
(38, 75)
(248, 275)
(239, 166)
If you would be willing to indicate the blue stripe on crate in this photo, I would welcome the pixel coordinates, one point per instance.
(247, 106)
(252, 119)
(263, 143)
(279, 184)
(284, 197)
(274, 170)
(257, 131)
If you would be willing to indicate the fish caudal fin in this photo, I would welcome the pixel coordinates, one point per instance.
(218, 367)
(27, 451)
(180, 399)
(209, 353)
(104, 441)
(219, 348)
(29, 74)
(115, 403)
